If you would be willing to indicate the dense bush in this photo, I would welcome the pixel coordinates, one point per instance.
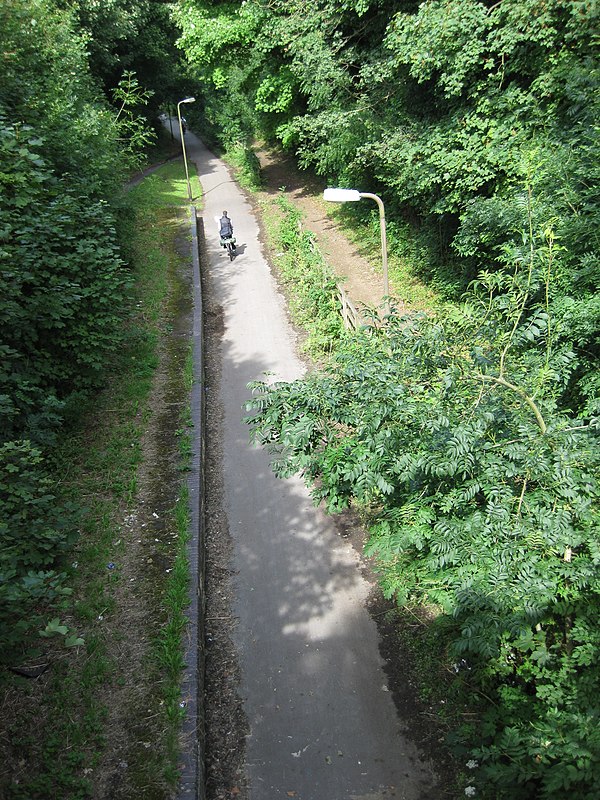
(64, 153)
(34, 530)
(61, 286)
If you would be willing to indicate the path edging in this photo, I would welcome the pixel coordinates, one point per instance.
(192, 778)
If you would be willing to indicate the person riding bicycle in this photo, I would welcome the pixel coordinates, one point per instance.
(226, 235)
(225, 227)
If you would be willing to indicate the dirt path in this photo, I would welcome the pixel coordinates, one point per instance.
(362, 280)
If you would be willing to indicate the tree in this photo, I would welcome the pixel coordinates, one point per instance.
(449, 109)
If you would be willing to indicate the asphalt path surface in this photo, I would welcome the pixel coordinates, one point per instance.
(323, 725)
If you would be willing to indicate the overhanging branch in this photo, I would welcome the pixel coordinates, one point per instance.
(522, 394)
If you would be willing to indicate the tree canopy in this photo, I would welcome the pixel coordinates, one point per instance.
(469, 116)
(470, 442)
(72, 128)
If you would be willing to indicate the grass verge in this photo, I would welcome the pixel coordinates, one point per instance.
(103, 718)
(245, 165)
(310, 286)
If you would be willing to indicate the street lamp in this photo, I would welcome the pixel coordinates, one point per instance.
(187, 177)
(352, 196)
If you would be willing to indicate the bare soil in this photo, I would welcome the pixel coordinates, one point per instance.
(360, 277)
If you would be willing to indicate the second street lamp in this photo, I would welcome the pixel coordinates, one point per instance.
(352, 196)
(187, 176)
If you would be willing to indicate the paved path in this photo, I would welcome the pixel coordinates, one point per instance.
(322, 723)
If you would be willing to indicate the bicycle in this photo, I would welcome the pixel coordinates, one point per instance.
(229, 244)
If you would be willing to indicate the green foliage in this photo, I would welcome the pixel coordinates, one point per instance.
(452, 110)
(56, 628)
(274, 94)
(331, 134)
(34, 531)
(132, 129)
(443, 41)
(63, 285)
(246, 165)
(32, 528)
(45, 84)
(218, 40)
(217, 33)
(483, 501)
(132, 36)
(61, 281)
(312, 291)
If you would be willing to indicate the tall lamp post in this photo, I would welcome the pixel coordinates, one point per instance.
(352, 196)
(187, 176)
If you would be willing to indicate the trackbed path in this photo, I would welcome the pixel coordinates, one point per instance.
(320, 719)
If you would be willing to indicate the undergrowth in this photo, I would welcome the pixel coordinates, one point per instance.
(245, 164)
(311, 287)
(107, 709)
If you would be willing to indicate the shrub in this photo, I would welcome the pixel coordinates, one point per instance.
(482, 497)
(35, 531)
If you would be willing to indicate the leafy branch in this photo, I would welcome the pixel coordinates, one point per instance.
(502, 382)
(132, 128)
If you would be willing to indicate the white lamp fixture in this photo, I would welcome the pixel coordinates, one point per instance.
(351, 196)
(341, 195)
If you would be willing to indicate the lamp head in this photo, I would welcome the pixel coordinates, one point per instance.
(341, 195)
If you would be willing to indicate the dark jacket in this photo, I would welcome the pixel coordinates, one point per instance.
(225, 227)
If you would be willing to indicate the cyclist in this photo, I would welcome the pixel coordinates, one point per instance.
(225, 227)
(226, 234)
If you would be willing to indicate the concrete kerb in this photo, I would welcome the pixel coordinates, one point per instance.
(192, 780)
